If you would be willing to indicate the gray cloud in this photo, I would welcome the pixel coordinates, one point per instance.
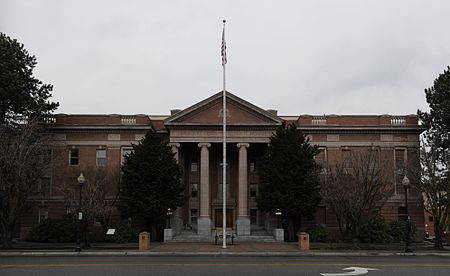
(344, 57)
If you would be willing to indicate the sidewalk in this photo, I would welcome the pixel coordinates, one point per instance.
(202, 249)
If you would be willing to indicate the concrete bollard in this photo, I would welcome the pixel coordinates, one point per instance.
(303, 241)
(144, 241)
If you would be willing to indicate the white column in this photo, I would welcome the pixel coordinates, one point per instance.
(243, 220)
(177, 221)
(204, 221)
(176, 150)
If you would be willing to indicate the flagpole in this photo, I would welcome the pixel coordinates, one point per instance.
(224, 153)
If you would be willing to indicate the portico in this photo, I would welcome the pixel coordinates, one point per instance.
(198, 134)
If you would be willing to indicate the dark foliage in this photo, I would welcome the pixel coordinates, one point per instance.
(22, 96)
(125, 232)
(290, 177)
(318, 233)
(55, 230)
(151, 181)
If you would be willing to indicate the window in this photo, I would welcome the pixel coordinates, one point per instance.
(320, 159)
(125, 152)
(69, 210)
(220, 191)
(430, 218)
(73, 157)
(43, 214)
(194, 190)
(194, 165)
(101, 157)
(44, 186)
(253, 190)
(346, 159)
(399, 165)
(220, 187)
(193, 217)
(373, 159)
(253, 165)
(253, 216)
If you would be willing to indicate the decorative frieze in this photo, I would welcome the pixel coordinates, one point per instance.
(386, 138)
(114, 137)
(139, 137)
(333, 137)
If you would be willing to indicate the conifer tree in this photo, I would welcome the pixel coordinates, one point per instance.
(22, 96)
(151, 181)
(290, 177)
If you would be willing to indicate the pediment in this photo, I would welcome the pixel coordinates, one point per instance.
(209, 113)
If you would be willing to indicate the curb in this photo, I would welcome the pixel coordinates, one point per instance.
(215, 254)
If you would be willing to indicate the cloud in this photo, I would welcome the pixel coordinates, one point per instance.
(346, 57)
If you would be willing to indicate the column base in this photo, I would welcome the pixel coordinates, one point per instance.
(168, 234)
(243, 226)
(204, 226)
(177, 222)
(278, 233)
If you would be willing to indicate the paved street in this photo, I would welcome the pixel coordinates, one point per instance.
(221, 265)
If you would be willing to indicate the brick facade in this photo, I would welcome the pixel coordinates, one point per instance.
(201, 123)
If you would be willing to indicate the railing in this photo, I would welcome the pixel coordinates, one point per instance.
(398, 121)
(128, 121)
(319, 120)
(50, 120)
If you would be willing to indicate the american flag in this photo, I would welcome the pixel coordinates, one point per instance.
(224, 48)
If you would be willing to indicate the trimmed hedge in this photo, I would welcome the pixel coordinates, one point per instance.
(55, 230)
(319, 233)
(125, 232)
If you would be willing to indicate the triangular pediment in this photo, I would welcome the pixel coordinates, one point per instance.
(209, 112)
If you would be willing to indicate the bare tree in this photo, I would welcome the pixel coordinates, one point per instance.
(434, 184)
(99, 196)
(354, 189)
(24, 160)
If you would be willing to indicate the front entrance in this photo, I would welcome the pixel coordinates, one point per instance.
(218, 218)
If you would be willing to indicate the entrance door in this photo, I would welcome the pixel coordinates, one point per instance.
(219, 218)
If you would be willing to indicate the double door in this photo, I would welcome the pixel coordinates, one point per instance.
(218, 218)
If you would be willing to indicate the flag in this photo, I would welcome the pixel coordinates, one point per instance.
(224, 48)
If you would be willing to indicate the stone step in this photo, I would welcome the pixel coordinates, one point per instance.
(257, 235)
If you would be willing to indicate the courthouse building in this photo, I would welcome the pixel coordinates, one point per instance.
(195, 134)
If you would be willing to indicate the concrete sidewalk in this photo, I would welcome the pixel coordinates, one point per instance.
(200, 249)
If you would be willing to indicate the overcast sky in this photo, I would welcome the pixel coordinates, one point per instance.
(298, 57)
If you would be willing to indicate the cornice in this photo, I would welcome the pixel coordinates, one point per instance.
(98, 128)
(361, 129)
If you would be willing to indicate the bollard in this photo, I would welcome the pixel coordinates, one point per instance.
(144, 241)
(303, 241)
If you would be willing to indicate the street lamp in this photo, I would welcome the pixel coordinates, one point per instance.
(278, 215)
(169, 214)
(81, 180)
(408, 248)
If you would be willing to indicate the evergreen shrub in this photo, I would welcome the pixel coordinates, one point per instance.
(318, 233)
(124, 233)
(55, 230)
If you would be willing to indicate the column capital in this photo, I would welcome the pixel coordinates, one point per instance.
(239, 145)
(201, 145)
(175, 145)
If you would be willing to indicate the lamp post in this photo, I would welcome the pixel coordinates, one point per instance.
(81, 180)
(278, 215)
(408, 248)
(169, 214)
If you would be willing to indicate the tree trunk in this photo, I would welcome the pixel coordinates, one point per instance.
(6, 238)
(341, 229)
(438, 233)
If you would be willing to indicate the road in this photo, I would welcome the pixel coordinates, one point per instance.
(221, 265)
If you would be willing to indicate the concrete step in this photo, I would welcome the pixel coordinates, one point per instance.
(191, 236)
